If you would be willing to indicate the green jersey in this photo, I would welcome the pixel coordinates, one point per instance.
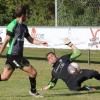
(17, 32)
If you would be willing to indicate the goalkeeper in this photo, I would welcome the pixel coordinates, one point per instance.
(64, 68)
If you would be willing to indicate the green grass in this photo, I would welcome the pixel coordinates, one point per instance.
(17, 87)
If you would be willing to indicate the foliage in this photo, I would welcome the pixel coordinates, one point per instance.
(42, 12)
(39, 12)
(79, 12)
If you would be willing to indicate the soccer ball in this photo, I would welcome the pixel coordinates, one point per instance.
(73, 68)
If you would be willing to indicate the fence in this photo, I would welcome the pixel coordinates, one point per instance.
(77, 12)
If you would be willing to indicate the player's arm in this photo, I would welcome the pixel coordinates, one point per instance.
(51, 84)
(3, 46)
(36, 41)
(76, 52)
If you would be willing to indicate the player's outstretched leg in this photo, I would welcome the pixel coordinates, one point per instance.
(32, 78)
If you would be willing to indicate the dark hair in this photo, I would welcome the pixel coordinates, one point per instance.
(20, 10)
(50, 53)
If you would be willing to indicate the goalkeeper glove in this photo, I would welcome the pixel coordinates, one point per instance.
(68, 42)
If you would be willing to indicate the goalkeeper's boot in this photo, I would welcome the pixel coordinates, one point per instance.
(89, 88)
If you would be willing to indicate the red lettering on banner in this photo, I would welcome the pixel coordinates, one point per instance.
(94, 35)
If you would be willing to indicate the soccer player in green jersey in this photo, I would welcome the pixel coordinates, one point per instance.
(15, 33)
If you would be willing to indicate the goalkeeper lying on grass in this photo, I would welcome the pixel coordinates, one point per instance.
(64, 68)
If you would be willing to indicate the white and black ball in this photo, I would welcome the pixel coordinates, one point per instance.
(73, 68)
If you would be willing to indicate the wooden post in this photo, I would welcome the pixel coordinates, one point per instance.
(89, 57)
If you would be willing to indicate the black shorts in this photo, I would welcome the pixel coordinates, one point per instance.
(16, 62)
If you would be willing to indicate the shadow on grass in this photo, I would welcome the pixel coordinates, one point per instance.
(43, 58)
(58, 94)
(73, 93)
(15, 96)
(86, 61)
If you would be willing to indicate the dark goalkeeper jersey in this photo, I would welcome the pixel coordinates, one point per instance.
(73, 81)
(60, 67)
(17, 32)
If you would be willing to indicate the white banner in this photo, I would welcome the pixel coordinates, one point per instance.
(2, 33)
(82, 37)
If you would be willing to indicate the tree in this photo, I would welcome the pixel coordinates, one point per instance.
(40, 12)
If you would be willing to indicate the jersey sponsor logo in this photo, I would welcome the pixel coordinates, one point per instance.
(20, 39)
(60, 66)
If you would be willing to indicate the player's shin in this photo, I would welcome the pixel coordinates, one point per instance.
(33, 84)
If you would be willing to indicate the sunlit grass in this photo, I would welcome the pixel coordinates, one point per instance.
(17, 87)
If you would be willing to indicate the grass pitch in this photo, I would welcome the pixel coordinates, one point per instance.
(17, 87)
